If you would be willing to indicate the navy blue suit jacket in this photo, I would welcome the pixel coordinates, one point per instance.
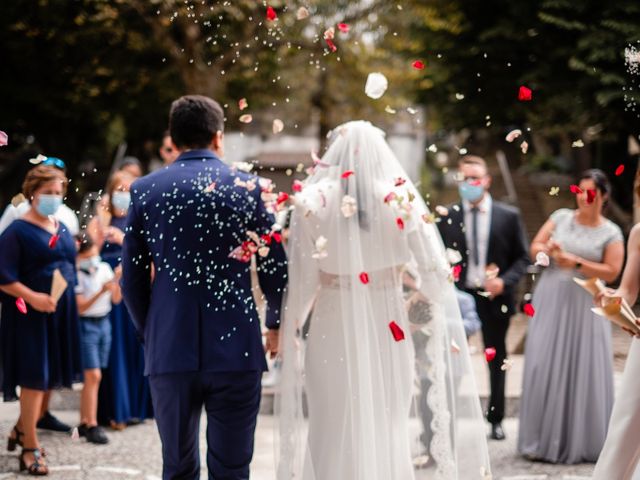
(198, 312)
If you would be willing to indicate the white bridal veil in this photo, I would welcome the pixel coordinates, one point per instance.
(367, 387)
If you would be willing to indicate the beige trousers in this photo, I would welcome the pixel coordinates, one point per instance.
(621, 450)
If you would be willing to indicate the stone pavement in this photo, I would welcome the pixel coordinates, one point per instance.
(135, 452)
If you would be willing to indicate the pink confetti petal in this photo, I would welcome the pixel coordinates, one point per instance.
(297, 186)
(331, 45)
(390, 197)
(343, 27)
(418, 65)
(21, 305)
(400, 223)
(364, 278)
(400, 181)
(242, 103)
(575, 189)
(4, 139)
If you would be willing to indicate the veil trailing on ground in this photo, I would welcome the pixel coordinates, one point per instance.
(376, 373)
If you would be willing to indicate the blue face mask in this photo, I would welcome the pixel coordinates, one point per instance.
(471, 193)
(121, 200)
(89, 264)
(48, 204)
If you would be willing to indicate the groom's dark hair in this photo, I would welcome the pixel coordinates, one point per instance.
(194, 120)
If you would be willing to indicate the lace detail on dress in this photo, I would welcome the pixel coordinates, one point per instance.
(441, 447)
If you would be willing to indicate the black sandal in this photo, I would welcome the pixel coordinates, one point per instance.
(36, 468)
(12, 443)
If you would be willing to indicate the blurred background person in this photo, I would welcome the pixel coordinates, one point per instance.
(167, 151)
(65, 214)
(490, 238)
(40, 338)
(124, 396)
(97, 289)
(567, 386)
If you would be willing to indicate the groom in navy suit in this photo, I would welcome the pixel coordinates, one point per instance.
(187, 283)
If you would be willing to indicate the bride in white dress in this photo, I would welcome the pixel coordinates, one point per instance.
(350, 405)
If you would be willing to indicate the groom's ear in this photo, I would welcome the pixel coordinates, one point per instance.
(217, 142)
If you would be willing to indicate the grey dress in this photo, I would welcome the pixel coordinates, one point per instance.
(567, 387)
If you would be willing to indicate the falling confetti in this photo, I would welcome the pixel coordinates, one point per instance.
(506, 365)
(277, 126)
(454, 256)
(297, 186)
(619, 170)
(554, 191)
(21, 305)
(243, 166)
(542, 259)
(433, 148)
(390, 197)
(455, 272)
(455, 348)
(210, 188)
(329, 33)
(591, 195)
(513, 134)
(302, 13)
(53, 240)
(242, 103)
(246, 118)
(349, 206)
(39, 159)
(4, 139)
(442, 211)
(364, 278)
(418, 65)
(578, 144)
(347, 174)
(321, 248)
(524, 146)
(376, 85)
(331, 45)
(343, 27)
(390, 110)
(271, 14)
(525, 94)
(489, 353)
(400, 223)
(575, 189)
(282, 197)
(528, 309)
(396, 331)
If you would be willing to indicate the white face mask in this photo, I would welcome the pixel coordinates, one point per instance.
(90, 263)
(121, 200)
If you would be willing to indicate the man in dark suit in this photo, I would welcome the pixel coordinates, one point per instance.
(193, 227)
(490, 237)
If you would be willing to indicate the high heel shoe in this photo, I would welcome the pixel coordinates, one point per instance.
(12, 443)
(36, 468)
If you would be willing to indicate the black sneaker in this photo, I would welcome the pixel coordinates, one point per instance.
(96, 435)
(49, 422)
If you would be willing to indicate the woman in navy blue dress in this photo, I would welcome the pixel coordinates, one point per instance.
(40, 338)
(124, 396)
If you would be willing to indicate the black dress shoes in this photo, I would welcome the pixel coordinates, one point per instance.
(496, 432)
(49, 422)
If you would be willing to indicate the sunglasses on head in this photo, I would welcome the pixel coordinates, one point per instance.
(54, 162)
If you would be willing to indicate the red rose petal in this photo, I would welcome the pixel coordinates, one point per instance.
(266, 239)
(524, 94)
(400, 181)
(400, 223)
(591, 195)
(53, 241)
(297, 186)
(364, 278)
(21, 305)
(489, 353)
(343, 27)
(396, 331)
(271, 14)
(418, 65)
(331, 45)
(348, 173)
(282, 197)
(529, 310)
(455, 271)
(277, 237)
(575, 189)
(619, 170)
